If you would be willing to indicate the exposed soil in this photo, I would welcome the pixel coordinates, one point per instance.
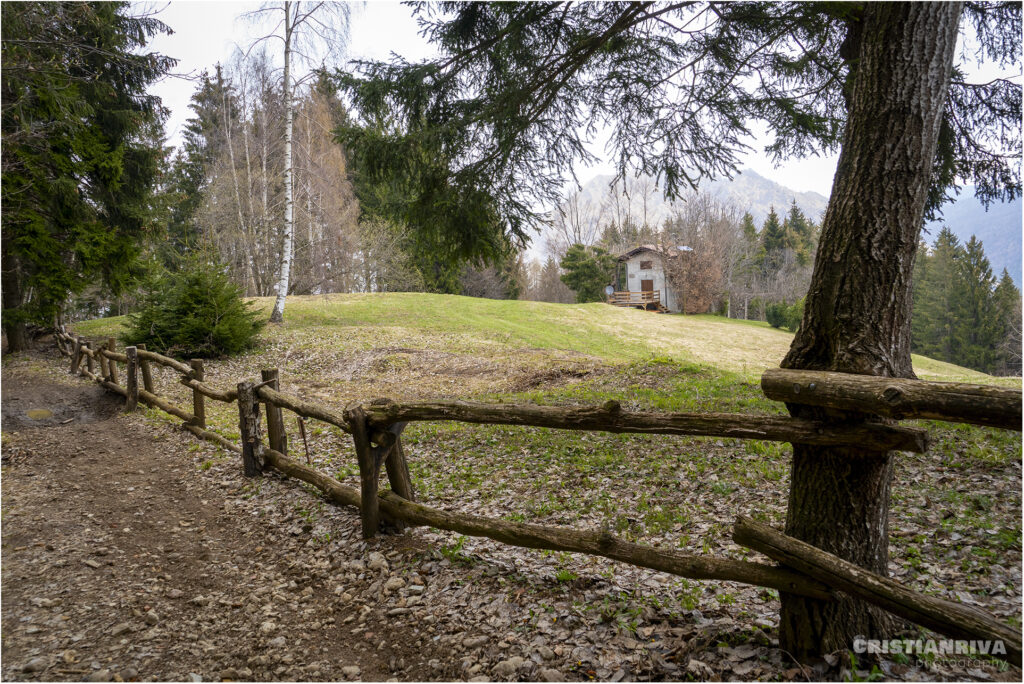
(120, 562)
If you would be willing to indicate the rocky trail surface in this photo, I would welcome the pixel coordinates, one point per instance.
(133, 552)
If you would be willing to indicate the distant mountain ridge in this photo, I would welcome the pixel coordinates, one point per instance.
(749, 190)
(999, 230)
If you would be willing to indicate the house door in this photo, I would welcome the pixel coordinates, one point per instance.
(647, 286)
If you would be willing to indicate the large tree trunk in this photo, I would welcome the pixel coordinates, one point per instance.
(857, 312)
(277, 315)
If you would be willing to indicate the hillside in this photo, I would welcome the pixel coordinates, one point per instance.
(672, 492)
(332, 330)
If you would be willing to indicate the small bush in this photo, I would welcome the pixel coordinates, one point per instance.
(775, 314)
(794, 314)
(782, 315)
(196, 312)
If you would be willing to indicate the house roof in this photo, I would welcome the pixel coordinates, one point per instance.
(637, 250)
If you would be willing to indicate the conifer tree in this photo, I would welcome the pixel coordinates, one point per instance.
(773, 241)
(1007, 302)
(934, 319)
(80, 152)
(975, 319)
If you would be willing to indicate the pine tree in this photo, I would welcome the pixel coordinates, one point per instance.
(934, 319)
(79, 159)
(215, 110)
(749, 229)
(799, 231)
(1007, 303)
(773, 242)
(587, 271)
(976, 326)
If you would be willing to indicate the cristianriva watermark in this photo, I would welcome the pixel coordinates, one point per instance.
(934, 652)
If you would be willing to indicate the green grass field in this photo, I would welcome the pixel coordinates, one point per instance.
(489, 327)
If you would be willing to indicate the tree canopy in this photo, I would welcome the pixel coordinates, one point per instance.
(487, 132)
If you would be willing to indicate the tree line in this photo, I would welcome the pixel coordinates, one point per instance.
(715, 257)
(963, 314)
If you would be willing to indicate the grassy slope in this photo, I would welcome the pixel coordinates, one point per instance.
(613, 335)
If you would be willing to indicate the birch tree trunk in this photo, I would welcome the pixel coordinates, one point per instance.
(857, 312)
(277, 315)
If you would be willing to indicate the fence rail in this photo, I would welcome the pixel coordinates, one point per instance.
(376, 430)
(897, 397)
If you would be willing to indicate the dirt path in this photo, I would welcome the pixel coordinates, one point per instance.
(121, 562)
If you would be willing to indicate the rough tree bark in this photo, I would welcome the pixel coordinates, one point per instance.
(857, 312)
(277, 315)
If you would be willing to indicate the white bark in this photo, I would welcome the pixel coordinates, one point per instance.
(277, 315)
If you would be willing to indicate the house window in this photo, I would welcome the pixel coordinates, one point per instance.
(646, 265)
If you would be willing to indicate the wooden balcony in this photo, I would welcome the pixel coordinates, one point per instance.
(644, 300)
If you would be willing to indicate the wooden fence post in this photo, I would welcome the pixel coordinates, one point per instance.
(249, 427)
(198, 400)
(147, 374)
(398, 467)
(89, 362)
(369, 471)
(275, 417)
(111, 363)
(104, 373)
(76, 356)
(131, 382)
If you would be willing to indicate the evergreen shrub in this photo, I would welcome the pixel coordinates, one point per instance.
(775, 314)
(196, 312)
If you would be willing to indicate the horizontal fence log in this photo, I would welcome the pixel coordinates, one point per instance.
(183, 368)
(303, 408)
(113, 387)
(165, 406)
(116, 356)
(212, 437)
(897, 397)
(945, 617)
(556, 538)
(105, 383)
(227, 396)
(610, 418)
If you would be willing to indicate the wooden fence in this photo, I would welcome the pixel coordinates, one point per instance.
(376, 431)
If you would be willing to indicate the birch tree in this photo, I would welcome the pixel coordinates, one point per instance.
(306, 30)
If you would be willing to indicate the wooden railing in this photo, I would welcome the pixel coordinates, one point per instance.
(626, 298)
(376, 430)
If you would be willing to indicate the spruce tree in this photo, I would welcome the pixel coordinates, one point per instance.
(1007, 302)
(80, 158)
(773, 242)
(587, 271)
(976, 326)
(934, 319)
